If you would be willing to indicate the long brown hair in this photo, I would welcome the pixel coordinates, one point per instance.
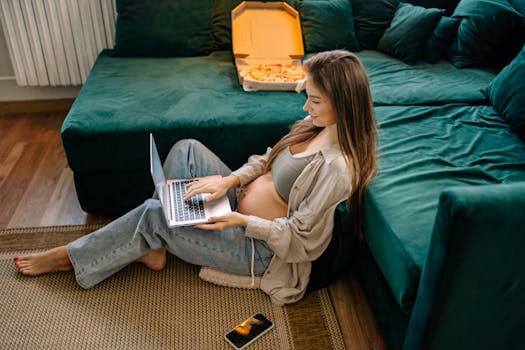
(341, 77)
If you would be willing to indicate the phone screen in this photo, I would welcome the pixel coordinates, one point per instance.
(248, 331)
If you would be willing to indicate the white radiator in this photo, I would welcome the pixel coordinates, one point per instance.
(56, 42)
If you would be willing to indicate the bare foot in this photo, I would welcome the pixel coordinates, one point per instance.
(52, 260)
(154, 260)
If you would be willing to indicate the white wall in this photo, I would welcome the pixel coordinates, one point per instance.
(9, 91)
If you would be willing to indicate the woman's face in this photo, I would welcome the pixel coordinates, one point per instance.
(319, 106)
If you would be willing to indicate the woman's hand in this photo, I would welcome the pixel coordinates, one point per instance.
(215, 185)
(226, 221)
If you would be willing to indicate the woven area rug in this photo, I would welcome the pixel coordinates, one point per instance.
(141, 309)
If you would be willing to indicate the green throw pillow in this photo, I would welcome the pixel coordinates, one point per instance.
(327, 25)
(447, 5)
(409, 31)
(163, 28)
(484, 24)
(507, 94)
(221, 25)
(509, 47)
(371, 19)
(440, 40)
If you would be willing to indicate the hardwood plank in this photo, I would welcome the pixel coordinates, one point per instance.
(44, 180)
(12, 129)
(8, 162)
(50, 197)
(26, 128)
(6, 123)
(64, 211)
(363, 314)
(354, 315)
(15, 185)
(43, 130)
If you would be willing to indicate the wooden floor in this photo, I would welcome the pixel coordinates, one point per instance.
(36, 189)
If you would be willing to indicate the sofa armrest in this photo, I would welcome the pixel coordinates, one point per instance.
(472, 289)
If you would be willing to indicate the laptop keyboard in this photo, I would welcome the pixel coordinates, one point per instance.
(192, 209)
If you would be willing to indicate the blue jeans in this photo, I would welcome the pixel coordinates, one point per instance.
(102, 253)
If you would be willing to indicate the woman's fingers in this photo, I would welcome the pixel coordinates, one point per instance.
(211, 184)
(194, 188)
(224, 222)
(198, 185)
(212, 226)
(215, 223)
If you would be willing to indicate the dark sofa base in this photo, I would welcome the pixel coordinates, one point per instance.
(112, 193)
(115, 191)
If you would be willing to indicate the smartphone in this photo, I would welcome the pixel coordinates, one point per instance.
(249, 330)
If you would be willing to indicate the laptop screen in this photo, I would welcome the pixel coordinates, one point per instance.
(156, 165)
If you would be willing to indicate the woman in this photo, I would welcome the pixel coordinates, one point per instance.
(284, 206)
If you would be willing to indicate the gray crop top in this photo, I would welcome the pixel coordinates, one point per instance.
(285, 170)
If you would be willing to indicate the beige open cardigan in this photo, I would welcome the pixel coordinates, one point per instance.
(303, 235)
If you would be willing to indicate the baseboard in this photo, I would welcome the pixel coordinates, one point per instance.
(36, 106)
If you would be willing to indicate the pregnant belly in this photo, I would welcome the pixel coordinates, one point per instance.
(260, 198)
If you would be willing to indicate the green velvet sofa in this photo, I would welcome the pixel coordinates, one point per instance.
(441, 262)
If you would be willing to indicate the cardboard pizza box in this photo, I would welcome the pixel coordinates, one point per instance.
(266, 33)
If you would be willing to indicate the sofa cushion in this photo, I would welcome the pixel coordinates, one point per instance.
(484, 24)
(371, 19)
(507, 93)
(327, 25)
(124, 99)
(425, 150)
(163, 28)
(394, 82)
(409, 31)
(437, 45)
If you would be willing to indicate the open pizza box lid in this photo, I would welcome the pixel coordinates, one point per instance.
(266, 33)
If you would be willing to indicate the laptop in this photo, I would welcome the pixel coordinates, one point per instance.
(180, 212)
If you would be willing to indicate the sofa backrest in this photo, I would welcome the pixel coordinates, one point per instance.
(197, 27)
(163, 28)
(510, 46)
